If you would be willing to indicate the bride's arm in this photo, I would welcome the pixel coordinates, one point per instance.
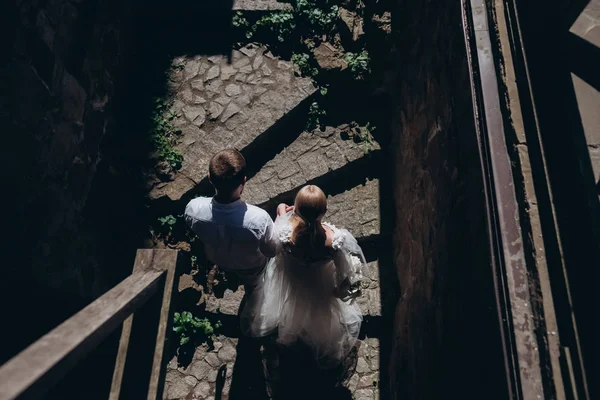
(282, 227)
(283, 210)
(349, 260)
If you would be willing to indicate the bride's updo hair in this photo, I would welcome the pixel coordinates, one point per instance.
(310, 207)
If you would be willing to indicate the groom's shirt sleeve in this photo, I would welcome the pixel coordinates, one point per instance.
(267, 242)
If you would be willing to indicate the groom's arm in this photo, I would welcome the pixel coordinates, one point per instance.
(268, 246)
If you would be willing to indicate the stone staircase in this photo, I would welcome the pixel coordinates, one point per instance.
(249, 101)
(227, 104)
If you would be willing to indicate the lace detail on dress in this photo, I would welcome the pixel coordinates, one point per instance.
(339, 236)
(285, 233)
(356, 269)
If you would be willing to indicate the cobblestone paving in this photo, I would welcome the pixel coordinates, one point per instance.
(199, 379)
(365, 381)
(224, 104)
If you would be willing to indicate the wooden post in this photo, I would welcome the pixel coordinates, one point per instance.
(140, 365)
(157, 379)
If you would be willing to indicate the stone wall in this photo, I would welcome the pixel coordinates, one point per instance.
(57, 90)
(446, 342)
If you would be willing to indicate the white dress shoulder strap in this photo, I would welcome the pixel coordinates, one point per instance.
(339, 236)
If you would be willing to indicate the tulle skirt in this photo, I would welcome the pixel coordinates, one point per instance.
(297, 300)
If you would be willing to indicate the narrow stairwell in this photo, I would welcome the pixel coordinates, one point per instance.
(258, 98)
(222, 104)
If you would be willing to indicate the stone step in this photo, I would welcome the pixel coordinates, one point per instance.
(226, 104)
(200, 378)
(357, 210)
(260, 5)
(369, 301)
(320, 158)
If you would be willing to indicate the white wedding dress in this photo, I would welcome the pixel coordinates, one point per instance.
(296, 296)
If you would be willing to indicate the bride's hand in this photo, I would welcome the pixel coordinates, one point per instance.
(282, 209)
(343, 290)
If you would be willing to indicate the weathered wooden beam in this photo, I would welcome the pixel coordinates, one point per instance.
(37, 368)
(157, 380)
(140, 363)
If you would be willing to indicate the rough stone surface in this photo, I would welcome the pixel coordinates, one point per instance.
(439, 222)
(383, 22)
(587, 27)
(199, 378)
(310, 156)
(202, 391)
(200, 369)
(329, 58)
(370, 299)
(228, 304)
(214, 110)
(230, 111)
(233, 90)
(180, 387)
(212, 73)
(225, 117)
(56, 107)
(356, 209)
(351, 24)
(227, 353)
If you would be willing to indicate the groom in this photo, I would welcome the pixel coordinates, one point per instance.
(237, 237)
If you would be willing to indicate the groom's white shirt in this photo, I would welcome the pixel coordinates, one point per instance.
(236, 236)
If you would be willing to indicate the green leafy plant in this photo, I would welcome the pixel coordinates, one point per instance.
(318, 19)
(303, 62)
(167, 223)
(281, 24)
(162, 134)
(191, 330)
(239, 21)
(357, 4)
(168, 220)
(364, 136)
(359, 63)
(315, 113)
(190, 236)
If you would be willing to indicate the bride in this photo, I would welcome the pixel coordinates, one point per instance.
(306, 292)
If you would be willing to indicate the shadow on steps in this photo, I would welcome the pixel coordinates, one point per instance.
(264, 147)
(334, 182)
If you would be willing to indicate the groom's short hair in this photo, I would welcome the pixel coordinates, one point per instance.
(227, 170)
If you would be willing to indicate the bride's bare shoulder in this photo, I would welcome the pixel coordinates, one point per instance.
(330, 235)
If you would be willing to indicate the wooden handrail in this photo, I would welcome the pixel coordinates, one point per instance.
(40, 366)
(154, 390)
